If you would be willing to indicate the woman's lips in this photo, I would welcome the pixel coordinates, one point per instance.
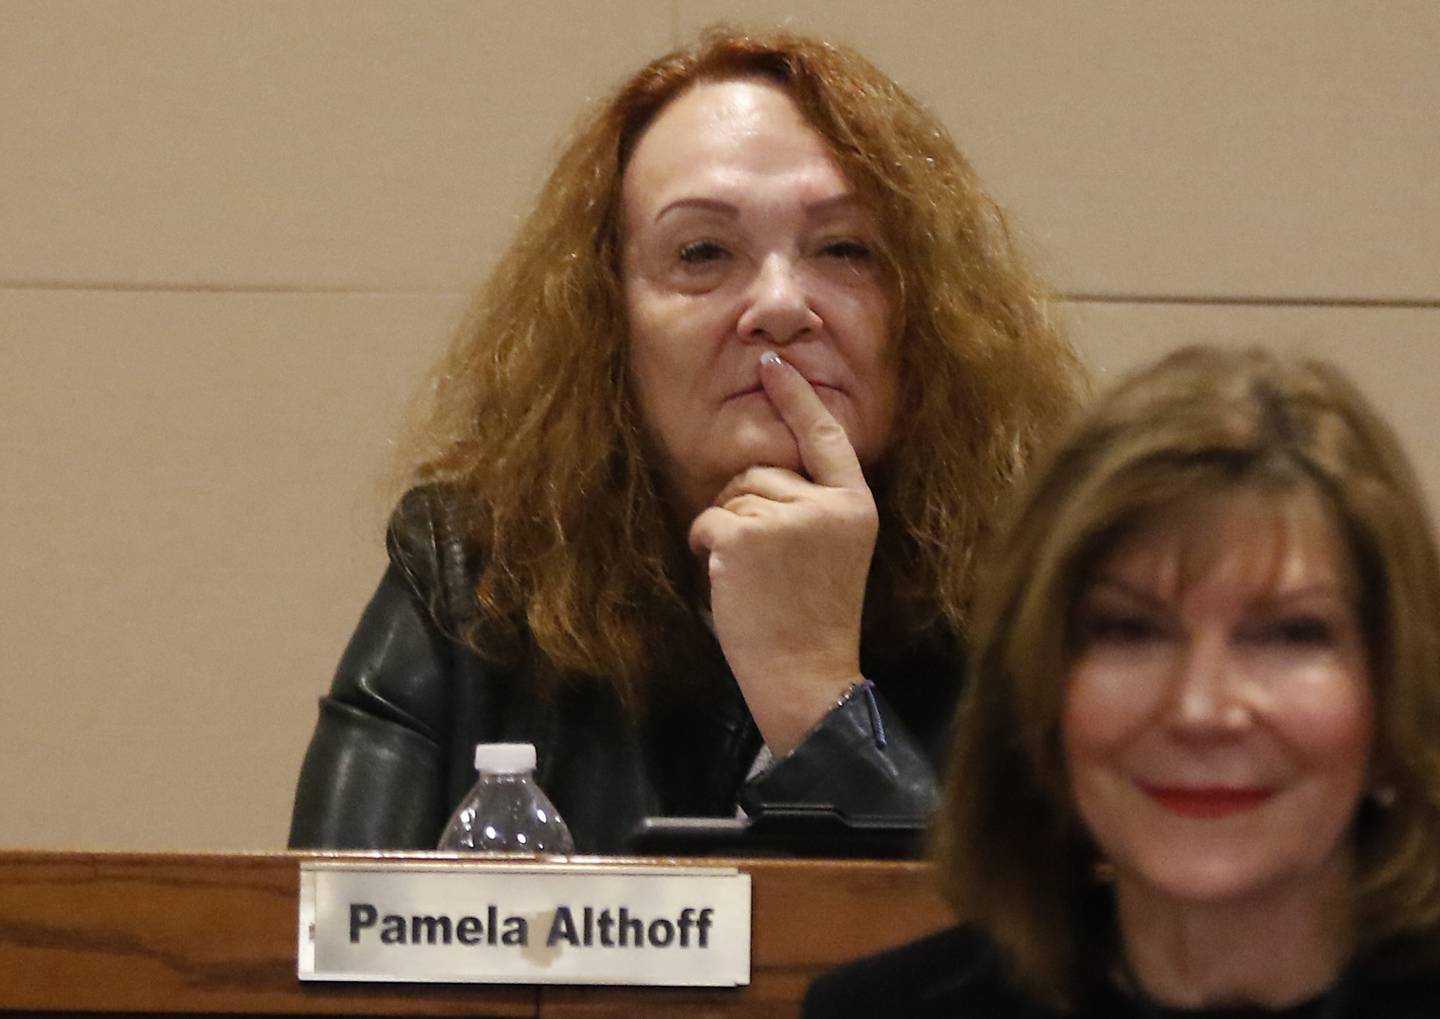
(758, 389)
(1207, 801)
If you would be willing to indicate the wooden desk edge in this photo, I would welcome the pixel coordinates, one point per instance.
(193, 932)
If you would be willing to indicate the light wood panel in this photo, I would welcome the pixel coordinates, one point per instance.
(1164, 147)
(1393, 354)
(385, 145)
(192, 522)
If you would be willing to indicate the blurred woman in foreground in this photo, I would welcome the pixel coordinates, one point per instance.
(1198, 772)
(706, 468)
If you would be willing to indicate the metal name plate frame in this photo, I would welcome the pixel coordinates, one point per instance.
(450, 921)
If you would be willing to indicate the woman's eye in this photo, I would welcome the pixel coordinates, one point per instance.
(850, 250)
(1118, 629)
(1300, 631)
(701, 253)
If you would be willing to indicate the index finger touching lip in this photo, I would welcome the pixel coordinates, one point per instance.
(825, 449)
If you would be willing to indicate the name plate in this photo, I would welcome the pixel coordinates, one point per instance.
(524, 923)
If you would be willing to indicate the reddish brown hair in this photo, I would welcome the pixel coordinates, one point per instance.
(533, 421)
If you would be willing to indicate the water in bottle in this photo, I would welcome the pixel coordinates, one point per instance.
(506, 811)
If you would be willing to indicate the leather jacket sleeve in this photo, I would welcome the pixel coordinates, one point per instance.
(860, 759)
(374, 774)
(390, 751)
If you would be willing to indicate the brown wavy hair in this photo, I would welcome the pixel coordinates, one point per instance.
(535, 429)
(1014, 856)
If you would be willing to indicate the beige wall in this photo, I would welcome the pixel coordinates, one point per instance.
(235, 231)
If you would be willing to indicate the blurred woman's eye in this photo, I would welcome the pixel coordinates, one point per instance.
(702, 253)
(1119, 629)
(1296, 631)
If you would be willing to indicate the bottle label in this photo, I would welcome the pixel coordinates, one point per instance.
(524, 923)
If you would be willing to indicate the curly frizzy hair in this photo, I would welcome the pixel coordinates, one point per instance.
(532, 419)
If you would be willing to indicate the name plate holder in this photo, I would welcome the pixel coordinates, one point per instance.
(523, 922)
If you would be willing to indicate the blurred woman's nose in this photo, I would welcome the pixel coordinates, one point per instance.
(778, 304)
(1207, 692)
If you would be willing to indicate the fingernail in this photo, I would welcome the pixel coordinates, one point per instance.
(770, 357)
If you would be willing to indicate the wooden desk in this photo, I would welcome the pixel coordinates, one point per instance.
(108, 933)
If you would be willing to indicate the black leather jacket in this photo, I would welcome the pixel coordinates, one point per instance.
(392, 753)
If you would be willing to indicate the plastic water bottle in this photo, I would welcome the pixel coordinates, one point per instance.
(506, 811)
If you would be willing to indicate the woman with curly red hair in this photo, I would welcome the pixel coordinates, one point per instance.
(705, 468)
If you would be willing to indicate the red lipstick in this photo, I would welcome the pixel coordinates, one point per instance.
(1207, 801)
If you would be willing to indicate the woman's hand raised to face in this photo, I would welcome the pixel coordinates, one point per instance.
(788, 558)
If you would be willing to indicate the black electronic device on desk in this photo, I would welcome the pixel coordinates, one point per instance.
(800, 830)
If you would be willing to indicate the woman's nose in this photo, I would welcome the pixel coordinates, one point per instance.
(778, 304)
(1207, 697)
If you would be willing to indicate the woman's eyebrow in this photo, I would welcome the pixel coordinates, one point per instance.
(1319, 590)
(697, 202)
(1112, 586)
(832, 203)
(841, 201)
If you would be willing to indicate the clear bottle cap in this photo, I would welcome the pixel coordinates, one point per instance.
(505, 758)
